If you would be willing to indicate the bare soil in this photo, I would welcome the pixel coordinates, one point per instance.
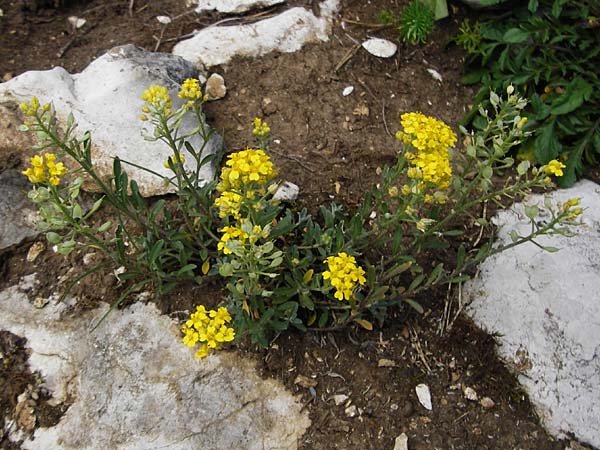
(331, 146)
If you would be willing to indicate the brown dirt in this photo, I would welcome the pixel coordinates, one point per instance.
(331, 146)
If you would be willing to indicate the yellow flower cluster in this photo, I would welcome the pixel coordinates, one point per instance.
(190, 90)
(207, 328)
(245, 167)
(158, 97)
(231, 233)
(569, 207)
(261, 128)
(343, 274)
(555, 168)
(431, 139)
(47, 170)
(229, 204)
(173, 160)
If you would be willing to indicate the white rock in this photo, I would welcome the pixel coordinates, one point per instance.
(424, 395)
(339, 399)
(286, 192)
(401, 442)
(470, 393)
(487, 403)
(16, 211)
(215, 87)
(347, 91)
(381, 48)
(544, 307)
(165, 20)
(106, 99)
(351, 411)
(233, 6)
(286, 32)
(134, 383)
(76, 22)
(435, 75)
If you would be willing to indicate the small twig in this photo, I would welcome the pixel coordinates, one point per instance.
(419, 349)
(71, 41)
(131, 4)
(347, 57)
(387, 130)
(482, 227)
(292, 158)
(366, 25)
(159, 39)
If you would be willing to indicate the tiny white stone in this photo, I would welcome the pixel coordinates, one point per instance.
(76, 22)
(424, 396)
(286, 192)
(401, 442)
(165, 20)
(435, 75)
(381, 48)
(470, 394)
(339, 399)
(347, 91)
(351, 411)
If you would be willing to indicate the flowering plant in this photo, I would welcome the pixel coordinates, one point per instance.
(283, 267)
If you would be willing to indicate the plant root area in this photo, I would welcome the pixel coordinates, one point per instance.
(358, 386)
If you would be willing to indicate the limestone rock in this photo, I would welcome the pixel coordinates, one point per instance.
(544, 308)
(233, 6)
(133, 382)
(17, 213)
(287, 32)
(106, 100)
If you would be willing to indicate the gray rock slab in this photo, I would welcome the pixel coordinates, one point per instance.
(287, 32)
(135, 386)
(17, 213)
(233, 6)
(545, 308)
(106, 99)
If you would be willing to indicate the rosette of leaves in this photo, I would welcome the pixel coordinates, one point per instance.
(416, 22)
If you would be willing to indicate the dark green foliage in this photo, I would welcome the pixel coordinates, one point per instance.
(549, 50)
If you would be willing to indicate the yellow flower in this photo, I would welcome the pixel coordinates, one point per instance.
(344, 275)
(554, 167)
(44, 168)
(207, 328)
(521, 122)
(432, 139)
(245, 167)
(158, 97)
(190, 90)
(229, 204)
(261, 129)
(231, 233)
(173, 160)
(30, 109)
(423, 224)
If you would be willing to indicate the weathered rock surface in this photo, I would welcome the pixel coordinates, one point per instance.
(134, 386)
(545, 308)
(106, 99)
(287, 32)
(233, 6)
(17, 213)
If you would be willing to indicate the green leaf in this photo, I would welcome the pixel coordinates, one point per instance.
(532, 6)
(156, 249)
(547, 146)
(473, 77)
(460, 256)
(551, 249)
(416, 306)
(515, 36)
(77, 212)
(416, 282)
(53, 238)
(576, 92)
(531, 211)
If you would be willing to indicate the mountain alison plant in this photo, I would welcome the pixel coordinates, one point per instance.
(282, 267)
